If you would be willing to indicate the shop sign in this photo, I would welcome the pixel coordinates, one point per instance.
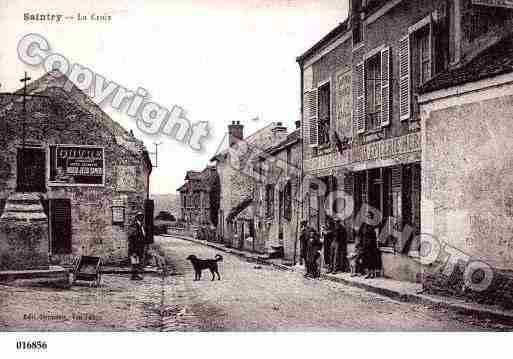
(387, 148)
(126, 178)
(77, 165)
(495, 3)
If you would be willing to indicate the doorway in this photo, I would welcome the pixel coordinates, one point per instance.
(31, 170)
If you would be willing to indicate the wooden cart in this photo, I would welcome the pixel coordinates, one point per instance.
(88, 269)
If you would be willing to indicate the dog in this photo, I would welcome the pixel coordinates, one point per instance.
(354, 263)
(200, 264)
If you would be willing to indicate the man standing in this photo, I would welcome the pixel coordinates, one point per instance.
(137, 242)
(338, 249)
(303, 240)
(313, 248)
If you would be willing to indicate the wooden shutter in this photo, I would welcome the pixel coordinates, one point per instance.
(60, 217)
(2, 205)
(385, 87)
(404, 78)
(311, 116)
(360, 97)
(149, 212)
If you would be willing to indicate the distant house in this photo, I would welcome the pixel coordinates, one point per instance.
(277, 203)
(199, 197)
(238, 183)
(91, 175)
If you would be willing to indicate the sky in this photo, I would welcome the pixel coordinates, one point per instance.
(222, 61)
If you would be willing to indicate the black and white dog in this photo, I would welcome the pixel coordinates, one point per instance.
(200, 264)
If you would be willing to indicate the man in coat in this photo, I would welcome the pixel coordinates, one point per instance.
(338, 248)
(313, 248)
(137, 243)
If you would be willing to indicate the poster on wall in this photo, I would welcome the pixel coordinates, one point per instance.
(76, 165)
(126, 178)
(344, 103)
(497, 3)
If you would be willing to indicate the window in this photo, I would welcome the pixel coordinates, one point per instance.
(373, 87)
(422, 53)
(422, 64)
(372, 91)
(287, 198)
(269, 201)
(324, 113)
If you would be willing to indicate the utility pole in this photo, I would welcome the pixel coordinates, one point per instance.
(156, 153)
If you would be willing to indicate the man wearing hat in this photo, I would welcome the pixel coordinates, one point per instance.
(137, 242)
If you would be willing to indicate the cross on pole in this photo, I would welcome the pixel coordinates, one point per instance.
(24, 95)
(24, 80)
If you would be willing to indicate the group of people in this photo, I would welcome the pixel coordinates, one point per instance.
(329, 248)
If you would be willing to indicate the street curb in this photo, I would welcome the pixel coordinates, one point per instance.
(418, 298)
(232, 251)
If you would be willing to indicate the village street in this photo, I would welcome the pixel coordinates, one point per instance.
(249, 297)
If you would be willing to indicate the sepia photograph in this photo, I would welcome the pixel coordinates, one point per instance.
(317, 169)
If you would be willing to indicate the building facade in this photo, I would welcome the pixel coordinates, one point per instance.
(198, 196)
(91, 175)
(276, 208)
(237, 180)
(361, 117)
(467, 196)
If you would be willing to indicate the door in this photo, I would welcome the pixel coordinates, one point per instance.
(149, 213)
(60, 226)
(31, 170)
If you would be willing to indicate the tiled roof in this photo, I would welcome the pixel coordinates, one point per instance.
(290, 140)
(494, 61)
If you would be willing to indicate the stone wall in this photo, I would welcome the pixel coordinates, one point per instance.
(467, 197)
(75, 120)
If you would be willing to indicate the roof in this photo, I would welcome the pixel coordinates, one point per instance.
(76, 104)
(291, 139)
(204, 180)
(192, 175)
(493, 61)
(239, 208)
(220, 156)
(330, 36)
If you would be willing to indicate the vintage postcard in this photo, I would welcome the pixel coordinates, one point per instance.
(256, 166)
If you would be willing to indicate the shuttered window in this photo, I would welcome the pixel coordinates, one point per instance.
(404, 78)
(360, 97)
(385, 87)
(311, 116)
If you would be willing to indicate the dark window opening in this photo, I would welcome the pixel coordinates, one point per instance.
(324, 113)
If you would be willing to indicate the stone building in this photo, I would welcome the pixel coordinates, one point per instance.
(276, 208)
(198, 195)
(467, 158)
(90, 175)
(238, 183)
(361, 118)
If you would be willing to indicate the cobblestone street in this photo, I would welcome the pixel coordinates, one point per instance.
(249, 297)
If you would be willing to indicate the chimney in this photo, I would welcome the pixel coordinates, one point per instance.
(278, 127)
(235, 132)
(298, 124)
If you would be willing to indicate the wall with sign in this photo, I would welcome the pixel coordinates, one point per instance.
(76, 165)
(89, 161)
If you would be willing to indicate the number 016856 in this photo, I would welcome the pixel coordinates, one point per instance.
(31, 345)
